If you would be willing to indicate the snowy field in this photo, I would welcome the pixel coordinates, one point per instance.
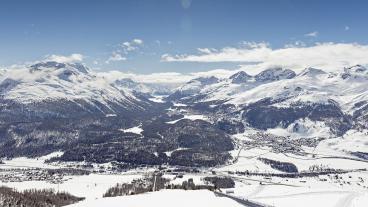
(350, 189)
(24, 162)
(164, 198)
(248, 160)
(287, 196)
(158, 99)
(135, 130)
(343, 190)
(91, 186)
(190, 117)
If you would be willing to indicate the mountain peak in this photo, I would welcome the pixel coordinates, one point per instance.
(273, 74)
(357, 68)
(311, 72)
(240, 77)
(77, 67)
(356, 71)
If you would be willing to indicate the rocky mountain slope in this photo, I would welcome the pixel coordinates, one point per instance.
(280, 98)
(63, 89)
(53, 106)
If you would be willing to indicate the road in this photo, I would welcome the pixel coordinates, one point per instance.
(244, 202)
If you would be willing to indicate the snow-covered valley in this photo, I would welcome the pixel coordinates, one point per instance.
(282, 138)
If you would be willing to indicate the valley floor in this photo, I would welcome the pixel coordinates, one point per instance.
(331, 190)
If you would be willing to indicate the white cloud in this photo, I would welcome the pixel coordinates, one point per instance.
(296, 44)
(65, 59)
(227, 54)
(347, 28)
(138, 41)
(127, 46)
(174, 78)
(219, 73)
(115, 57)
(125, 49)
(312, 34)
(168, 77)
(329, 56)
(133, 45)
(205, 50)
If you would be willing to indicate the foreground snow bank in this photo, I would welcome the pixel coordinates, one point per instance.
(164, 198)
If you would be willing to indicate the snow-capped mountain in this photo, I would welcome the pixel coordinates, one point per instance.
(65, 106)
(355, 72)
(240, 77)
(311, 72)
(194, 86)
(53, 106)
(274, 74)
(52, 82)
(279, 97)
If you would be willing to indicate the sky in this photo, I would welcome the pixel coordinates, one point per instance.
(185, 36)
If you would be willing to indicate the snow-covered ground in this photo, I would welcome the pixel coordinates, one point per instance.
(248, 160)
(190, 117)
(168, 153)
(179, 104)
(197, 178)
(353, 141)
(164, 198)
(306, 129)
(91, 186)
(343, 190)
(24, 162)
(158, 99)
(311, 194)
(135, 130)
(350, 189)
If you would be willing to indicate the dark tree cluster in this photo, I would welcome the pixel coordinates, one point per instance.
(35, 198)
(138, 186)
(190, 185)
(221, 182)
(281, 166)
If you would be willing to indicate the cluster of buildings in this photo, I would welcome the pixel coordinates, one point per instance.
(21, 175)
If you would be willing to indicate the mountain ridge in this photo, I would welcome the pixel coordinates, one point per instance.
(65, 106)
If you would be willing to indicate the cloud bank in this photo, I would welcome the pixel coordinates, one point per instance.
(173, 78)
(65, 59)
(168, 77)
(328, 56)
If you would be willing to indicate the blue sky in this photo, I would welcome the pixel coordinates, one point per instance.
(33, 29)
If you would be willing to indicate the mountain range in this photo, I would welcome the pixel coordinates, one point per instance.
(50, 106)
